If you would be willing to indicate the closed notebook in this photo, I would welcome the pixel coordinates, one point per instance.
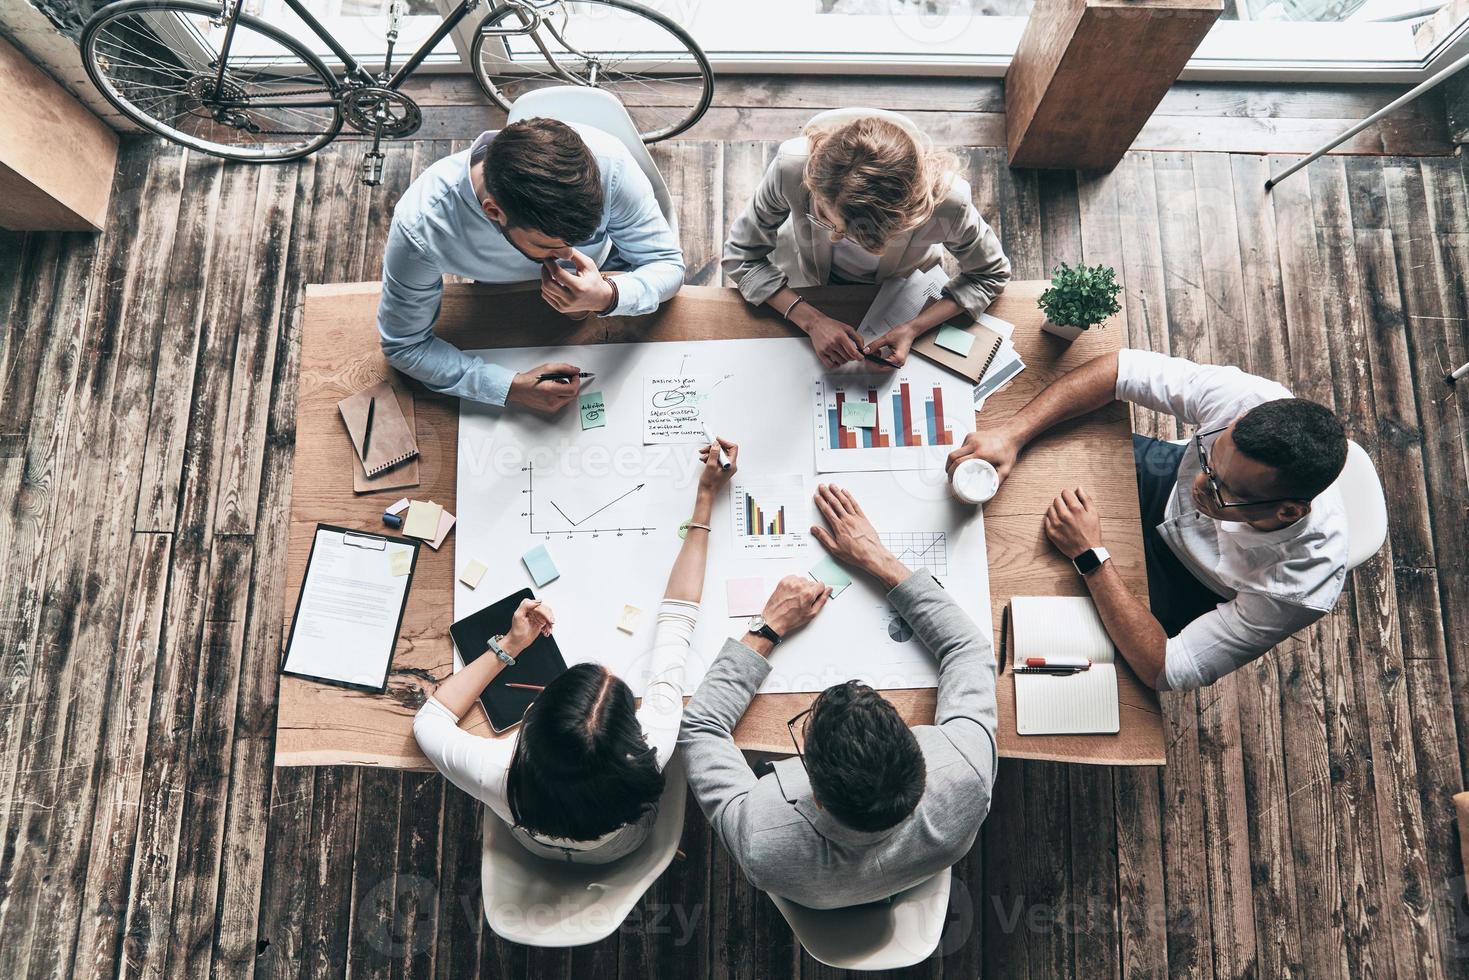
(392, 443)
(1083, 703)
(539, 664)
(987, 344)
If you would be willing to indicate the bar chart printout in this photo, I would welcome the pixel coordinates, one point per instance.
(771, 516)
(912, 430)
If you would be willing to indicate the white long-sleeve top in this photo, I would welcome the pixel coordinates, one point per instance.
(1275, 582)
(480, 766)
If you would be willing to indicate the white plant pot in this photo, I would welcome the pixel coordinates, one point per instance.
(1061, 330)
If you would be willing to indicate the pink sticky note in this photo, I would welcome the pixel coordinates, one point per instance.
(746, 595)
(446, 521)
(399, 507)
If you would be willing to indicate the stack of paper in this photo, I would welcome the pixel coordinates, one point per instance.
(1006, 365)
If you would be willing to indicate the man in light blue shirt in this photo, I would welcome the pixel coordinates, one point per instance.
(538, 199)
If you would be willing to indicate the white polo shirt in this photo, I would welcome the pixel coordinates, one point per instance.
(1276, 582)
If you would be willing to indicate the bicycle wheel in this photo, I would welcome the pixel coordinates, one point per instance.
(158, 62)
(648, 62)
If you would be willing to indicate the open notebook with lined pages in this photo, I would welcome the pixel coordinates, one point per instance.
(1083, 703)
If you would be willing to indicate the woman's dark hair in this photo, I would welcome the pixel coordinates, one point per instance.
(864, 763)
(545, 178)
(582, 767)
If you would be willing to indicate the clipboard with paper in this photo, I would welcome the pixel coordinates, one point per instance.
(350, 608)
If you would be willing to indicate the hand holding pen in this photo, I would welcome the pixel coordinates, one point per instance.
(546, 388)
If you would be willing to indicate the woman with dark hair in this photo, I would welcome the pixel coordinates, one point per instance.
(580, 780)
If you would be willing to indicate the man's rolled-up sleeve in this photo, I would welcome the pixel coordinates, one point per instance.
(1195, 394)
(413, 286)
(1229, 636)
(643, 240)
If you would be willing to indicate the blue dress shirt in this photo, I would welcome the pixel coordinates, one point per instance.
(439, 228)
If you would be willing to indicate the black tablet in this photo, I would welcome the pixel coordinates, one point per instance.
(539, 664)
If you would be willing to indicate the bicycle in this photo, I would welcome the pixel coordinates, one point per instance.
(207, 75)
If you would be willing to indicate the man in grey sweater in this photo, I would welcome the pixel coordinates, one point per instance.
(870, 807)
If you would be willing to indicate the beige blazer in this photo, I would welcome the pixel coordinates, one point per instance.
(774, 244)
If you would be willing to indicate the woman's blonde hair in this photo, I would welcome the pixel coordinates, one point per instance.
(877, 176)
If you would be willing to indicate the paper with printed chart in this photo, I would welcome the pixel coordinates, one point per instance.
(608, 506)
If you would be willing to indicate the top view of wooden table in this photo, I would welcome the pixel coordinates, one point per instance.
(320, 724)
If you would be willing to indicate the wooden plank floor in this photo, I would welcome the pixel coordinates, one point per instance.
(1301, 828)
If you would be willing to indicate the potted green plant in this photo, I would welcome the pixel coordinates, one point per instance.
(1079, 298)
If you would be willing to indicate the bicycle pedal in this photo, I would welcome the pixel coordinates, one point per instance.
(372, 169)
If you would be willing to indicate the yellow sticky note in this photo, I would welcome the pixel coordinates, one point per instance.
(400, 561)
(628, 622)
(423, 519)
(473, 572)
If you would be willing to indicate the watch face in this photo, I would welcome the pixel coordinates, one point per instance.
(755, 624)
(1087, 561)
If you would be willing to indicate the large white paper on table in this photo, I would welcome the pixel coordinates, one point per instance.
(346, 622)
(610, 506)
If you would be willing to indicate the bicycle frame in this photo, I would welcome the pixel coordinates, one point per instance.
(530, 22)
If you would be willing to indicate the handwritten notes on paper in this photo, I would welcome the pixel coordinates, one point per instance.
(675, 406)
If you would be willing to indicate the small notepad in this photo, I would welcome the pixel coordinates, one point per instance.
(952, 338)
(859, 414)
(423, 519)
(1084, 703)
(832, 575)
(538, 562)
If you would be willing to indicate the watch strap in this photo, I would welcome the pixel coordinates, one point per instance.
(499, 651)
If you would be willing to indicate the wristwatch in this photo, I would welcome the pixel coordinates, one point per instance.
(1090, 560)
(760, 627)
(499, 651)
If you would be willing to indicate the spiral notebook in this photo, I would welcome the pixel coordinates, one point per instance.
(1084, 703)
(987, 344)
(392, 442)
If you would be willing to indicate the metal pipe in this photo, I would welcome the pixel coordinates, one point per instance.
(1401, 100)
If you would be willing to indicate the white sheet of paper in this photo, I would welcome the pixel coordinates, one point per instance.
(616, 547)
(899, 300)
(347, 622)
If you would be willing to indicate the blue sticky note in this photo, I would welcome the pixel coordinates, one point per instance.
(593, 410)
(859, 414)
(830, 573)
(954, 339)
(538, 562)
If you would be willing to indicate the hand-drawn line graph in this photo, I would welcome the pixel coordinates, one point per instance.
(575, 522)
(919, 549)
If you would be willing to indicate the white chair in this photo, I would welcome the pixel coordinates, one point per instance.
(536, 901)
(838, 117)
(1361, 494)
(881, 936)
(600, 110)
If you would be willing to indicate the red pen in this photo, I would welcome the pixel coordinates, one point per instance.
(1069, 663)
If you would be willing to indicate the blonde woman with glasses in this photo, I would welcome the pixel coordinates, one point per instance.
(862, 201)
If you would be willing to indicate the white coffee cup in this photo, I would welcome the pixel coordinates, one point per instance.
(974, 481)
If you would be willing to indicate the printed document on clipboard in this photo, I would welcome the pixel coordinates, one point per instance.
(350, 608)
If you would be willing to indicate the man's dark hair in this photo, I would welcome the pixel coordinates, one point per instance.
(582, 767)
(545, 178)
(864, 762)
(1301, 439)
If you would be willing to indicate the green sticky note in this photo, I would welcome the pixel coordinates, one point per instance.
(593, 410)
(859, 414)
(538, 562)
(954, 339)
(829, 572)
